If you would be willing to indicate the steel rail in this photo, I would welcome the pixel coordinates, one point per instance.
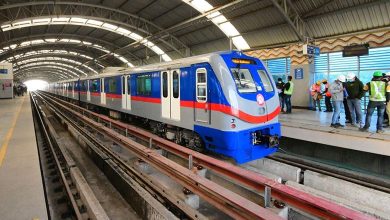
(69, 193)
(227, 201)
(144, 180)
(334, 172)
(293, 197)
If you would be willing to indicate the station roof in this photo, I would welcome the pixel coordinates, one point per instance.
(63, 39)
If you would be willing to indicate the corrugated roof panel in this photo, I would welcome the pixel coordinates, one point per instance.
(347, 21)
(258, 19)
(276, 35)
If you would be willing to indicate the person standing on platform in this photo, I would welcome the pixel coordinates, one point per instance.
(377, 100)
(328, 96)
(279, 86)
(355, 92)
(288, 90)
(315, 91)
(387, 77)
(15, 91)
(337, 91)
(348, 118)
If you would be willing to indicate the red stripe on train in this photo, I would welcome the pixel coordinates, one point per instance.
(115, 96)
(213, 107)
(232, 111)
(146, 99)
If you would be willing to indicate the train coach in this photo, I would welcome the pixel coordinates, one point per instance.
(223, 102)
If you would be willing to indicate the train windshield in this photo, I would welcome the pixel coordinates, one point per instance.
(265, 80)
(244, 80)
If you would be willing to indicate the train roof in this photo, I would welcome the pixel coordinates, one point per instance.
(161, 66)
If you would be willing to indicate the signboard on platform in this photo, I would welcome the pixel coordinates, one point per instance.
(298, 72)
(3, 71)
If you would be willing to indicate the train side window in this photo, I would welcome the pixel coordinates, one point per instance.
(144, 85)
(176, 85)
(94, 86)
(111, 85)
(84, 86)
(265, 80)
(201, 85)
(165, 84)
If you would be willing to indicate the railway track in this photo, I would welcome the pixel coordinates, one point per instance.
(369, 181)
(69, 196)
(233, 204)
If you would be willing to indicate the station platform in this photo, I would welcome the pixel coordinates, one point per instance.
(314, 126)
(21, 188)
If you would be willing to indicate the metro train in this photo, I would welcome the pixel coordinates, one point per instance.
(222, 102)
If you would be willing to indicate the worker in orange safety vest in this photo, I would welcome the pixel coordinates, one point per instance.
(316, 95)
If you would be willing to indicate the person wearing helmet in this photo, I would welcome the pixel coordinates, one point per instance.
(377, 100)
(315, 91)
(337, 91)
(387, 80)
(355, 92)
(328, 96)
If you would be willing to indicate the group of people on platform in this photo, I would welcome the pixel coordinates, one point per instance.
(348, 91)
(285, 90)
(19, 90)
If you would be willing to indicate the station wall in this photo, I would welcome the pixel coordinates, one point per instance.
(6, 80)
(293, 53)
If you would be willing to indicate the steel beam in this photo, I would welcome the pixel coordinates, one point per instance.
(86, 70)
(292, 17)
(41, 8)
(52, 76)
(44, 69)
(72, 72)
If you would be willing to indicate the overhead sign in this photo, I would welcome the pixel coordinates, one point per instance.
(310, 50)
(3, 71)
(298, 72)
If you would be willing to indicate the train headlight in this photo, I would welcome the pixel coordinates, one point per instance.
(232, 123)
(260, 99)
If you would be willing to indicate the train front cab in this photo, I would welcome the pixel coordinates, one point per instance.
(239, 121)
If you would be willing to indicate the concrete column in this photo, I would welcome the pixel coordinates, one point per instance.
(301, 96)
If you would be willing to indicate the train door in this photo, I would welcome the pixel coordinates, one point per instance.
(88, 91)
(202, 108)
(128, 88)
(102, 92)
(126, 93)
(170, 94)
(66, 89)
(73, 89)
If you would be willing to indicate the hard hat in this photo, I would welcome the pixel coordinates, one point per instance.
(341, 78)
(318, 82)
(351, 76)
(377, 74)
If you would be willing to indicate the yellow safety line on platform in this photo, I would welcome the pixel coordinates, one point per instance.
(4, 146)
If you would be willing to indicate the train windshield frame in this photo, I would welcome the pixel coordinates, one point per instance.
(244, 80)
(265, 80)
